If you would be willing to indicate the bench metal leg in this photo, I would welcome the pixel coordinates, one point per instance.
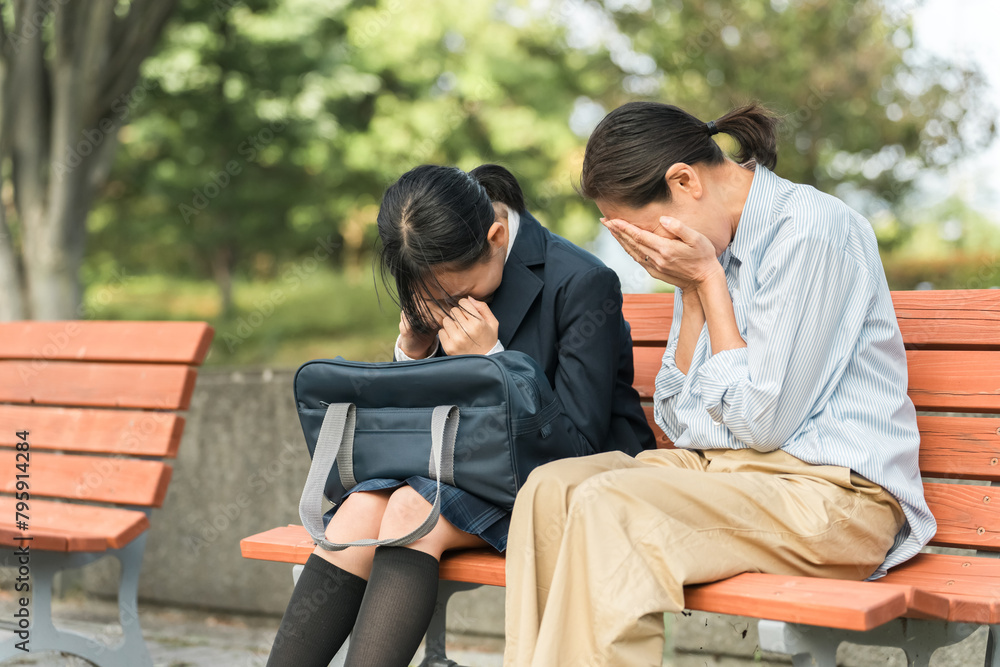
(811, 645)
(434, 642)
(130, 651)
(992, 654)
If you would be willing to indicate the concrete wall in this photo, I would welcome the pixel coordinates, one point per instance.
(240, 471)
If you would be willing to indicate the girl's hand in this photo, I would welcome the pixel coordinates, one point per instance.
(470, 328)
(681, 256)
(414, 345)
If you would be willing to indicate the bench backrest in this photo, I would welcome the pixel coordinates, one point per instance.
(96, 398)
(952, 338)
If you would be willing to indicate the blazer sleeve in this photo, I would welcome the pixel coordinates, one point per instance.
(589, 344)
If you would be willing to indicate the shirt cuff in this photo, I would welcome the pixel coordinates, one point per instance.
(669, 380)
(496, 348)
(399, 355)
(718, 375)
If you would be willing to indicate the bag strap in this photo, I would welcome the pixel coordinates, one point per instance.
(336, 431)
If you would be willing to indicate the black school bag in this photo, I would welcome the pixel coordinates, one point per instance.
(479, 423)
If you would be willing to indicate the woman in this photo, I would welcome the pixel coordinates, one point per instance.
(783, 386)
(474, 273)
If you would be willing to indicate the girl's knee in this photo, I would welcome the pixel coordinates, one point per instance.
(405, 509)
(359, 514)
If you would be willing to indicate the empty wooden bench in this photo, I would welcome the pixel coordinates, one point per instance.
(95, 403)
(953, 354)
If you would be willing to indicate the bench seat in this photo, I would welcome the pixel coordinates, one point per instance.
(952, 341)
(57, 526)
(849, 605)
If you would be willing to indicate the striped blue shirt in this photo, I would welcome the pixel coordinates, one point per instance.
(823, 375)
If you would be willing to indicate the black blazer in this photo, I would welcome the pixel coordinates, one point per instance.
(562, 306)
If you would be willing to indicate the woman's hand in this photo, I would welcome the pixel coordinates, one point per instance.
(470, 328)
(680, 256)
(413, 344)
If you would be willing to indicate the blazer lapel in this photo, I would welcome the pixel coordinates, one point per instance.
(519, 286)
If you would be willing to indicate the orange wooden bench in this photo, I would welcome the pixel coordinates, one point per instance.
(953, 353)
(95, 403)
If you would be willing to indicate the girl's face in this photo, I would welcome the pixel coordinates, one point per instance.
(480, 280)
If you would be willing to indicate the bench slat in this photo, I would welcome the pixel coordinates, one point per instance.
(967, 381)
(49, 539)
(662, 441)
(86, 527)
(955, 588)
(973, 301)
(103, 479)
(959, 381)
(967, 516)
(139, 433)
(944, 319)
(153, 341)
(285, 544)
(970, 584)
(165, 387)
(649, 316)
(960, 447)
(849, 605)
(950, 447)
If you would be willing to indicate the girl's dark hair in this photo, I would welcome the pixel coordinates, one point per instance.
(631, 150)
(432, 216)
(500, 185)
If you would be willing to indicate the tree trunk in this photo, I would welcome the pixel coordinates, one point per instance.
(11, 281)
(65, 85)
(222, 270)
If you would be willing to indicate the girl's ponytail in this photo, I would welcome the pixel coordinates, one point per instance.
(500, 185)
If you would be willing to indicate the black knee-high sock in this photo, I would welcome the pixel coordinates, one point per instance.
(397, 608)
(319, 617)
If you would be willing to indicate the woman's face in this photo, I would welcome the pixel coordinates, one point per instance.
(690, 202)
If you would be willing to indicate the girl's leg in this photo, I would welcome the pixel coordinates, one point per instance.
(402, 590)
(328, 594)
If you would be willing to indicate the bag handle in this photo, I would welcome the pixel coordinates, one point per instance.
(336, 435)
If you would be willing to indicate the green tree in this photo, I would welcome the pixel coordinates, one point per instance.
(365, 90)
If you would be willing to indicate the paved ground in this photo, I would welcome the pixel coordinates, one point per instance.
(191, 638)
(180, 637)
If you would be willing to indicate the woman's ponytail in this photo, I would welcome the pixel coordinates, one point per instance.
(631, 150)
(755, 129)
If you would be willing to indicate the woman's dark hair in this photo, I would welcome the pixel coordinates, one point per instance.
(631, 150)
(432, 216)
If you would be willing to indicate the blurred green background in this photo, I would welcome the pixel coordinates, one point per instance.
(261, 135)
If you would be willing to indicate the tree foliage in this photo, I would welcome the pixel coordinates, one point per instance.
(273, 126)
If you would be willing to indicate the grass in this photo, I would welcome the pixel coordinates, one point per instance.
(280, 323)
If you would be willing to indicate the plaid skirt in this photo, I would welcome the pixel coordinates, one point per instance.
(464, 510)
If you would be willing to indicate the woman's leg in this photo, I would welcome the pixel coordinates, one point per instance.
(632, 539)
(328, 594)
(402, 590)
(536, 533)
